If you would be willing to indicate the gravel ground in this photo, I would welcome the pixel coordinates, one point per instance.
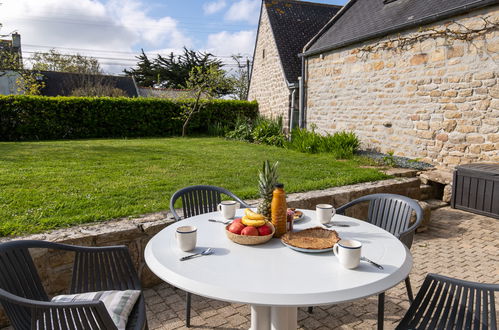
(396, 161)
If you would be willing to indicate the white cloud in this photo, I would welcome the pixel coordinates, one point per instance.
(227, 44)
(115, 26)
(213, 7)
(244, 10)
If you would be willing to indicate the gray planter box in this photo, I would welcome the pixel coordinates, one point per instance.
(475, 189)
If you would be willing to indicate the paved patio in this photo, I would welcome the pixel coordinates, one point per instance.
(457, 244)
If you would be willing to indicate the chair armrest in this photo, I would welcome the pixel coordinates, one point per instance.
(29, 244)
(341, 210)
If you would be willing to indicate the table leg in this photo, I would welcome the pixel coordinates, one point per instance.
(260, 317)
(284, 318)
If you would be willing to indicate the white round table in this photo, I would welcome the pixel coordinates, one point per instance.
(273, 278)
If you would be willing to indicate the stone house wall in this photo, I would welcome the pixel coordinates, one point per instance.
(437, 101)
(268, 84)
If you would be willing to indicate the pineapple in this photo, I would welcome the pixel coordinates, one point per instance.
(267, 178)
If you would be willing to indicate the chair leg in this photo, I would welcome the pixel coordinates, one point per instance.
(381, 310)
(188, 310)
(409, 289)
(310, 310)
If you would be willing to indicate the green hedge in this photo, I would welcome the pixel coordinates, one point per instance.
(46, 118)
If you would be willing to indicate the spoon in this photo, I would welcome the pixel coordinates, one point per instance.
(371, 262)
(206, 252)
(329, 225)
(220, 221)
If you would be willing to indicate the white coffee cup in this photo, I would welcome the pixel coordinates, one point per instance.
(186, 237)
(228, 209)
(324, 212)
(348, 253)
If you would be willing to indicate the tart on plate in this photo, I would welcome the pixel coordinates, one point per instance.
(316, 238)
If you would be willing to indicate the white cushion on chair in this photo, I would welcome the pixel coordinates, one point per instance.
(119, 304)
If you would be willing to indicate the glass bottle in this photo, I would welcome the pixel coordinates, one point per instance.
(279, 210)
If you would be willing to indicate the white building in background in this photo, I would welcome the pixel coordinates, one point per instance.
(8, 78)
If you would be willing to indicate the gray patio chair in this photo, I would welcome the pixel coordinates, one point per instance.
(198, 200)
(448, 303)
(95, 269)
(392, 213)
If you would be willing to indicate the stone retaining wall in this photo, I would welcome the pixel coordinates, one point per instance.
(55, 267)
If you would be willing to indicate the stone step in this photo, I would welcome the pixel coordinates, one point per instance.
(436, 203)
(401, 172)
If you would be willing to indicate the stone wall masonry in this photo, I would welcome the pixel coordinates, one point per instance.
(268, 85)
(437, 101)
(55, 267)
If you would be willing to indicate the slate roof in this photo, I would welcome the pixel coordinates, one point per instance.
(62, 83)
(294, 23)
(361, 20)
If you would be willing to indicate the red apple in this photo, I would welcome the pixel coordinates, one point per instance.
(236, 228)
(250, 231)
(237, 220)
(264, 230)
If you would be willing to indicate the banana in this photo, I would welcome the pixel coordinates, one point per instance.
(252, 222)
(253, 215)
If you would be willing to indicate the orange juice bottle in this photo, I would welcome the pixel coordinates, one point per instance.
(279, 210)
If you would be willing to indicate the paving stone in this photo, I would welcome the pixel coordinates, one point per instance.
(457, 244)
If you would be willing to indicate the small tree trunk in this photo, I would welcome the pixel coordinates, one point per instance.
(194, 108)
(186, 122)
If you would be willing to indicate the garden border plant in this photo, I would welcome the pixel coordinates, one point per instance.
(342, 145)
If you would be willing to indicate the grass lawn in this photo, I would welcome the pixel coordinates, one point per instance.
(45, 185)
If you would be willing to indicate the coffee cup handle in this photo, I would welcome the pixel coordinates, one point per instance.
(335, 249)
(219, 207)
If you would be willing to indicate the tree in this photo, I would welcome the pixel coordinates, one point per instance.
(146, 74)
(27, 81)
(240, 78)
(55, 61)
(173, 71)
(204, 82)
(86, 78)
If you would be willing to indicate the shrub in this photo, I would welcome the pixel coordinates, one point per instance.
(269, 131)
(242, 131)
(341, 144)
(306, 141)
(344, 144)
(45, 118)
(262, 130)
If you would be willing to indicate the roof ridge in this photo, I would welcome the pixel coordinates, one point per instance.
(307, 3)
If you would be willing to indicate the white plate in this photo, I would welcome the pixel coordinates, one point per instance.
(307, 250)
(300, 218)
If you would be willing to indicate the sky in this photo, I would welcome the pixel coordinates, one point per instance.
(115, 31)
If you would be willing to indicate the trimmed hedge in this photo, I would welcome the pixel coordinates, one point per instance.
(48, 118)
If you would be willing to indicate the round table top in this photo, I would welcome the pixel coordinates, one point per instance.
(273, 274)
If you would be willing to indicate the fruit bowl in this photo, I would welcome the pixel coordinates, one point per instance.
(249, 240)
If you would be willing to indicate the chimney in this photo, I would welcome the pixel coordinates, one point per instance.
(16, 40)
